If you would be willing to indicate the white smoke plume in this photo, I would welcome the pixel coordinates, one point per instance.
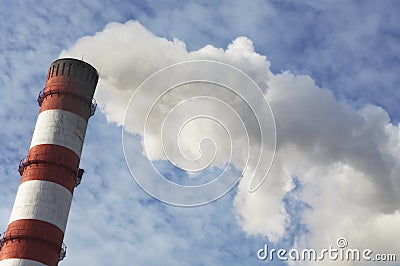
(345, 161)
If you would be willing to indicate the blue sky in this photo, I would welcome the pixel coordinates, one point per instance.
(346, 53)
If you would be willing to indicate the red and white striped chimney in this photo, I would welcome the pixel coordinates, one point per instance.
(50, 172)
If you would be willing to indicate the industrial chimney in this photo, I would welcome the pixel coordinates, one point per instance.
(50, 172)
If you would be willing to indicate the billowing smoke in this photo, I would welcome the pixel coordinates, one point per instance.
(339, 163)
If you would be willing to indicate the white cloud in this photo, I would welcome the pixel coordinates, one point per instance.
(346, 160)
